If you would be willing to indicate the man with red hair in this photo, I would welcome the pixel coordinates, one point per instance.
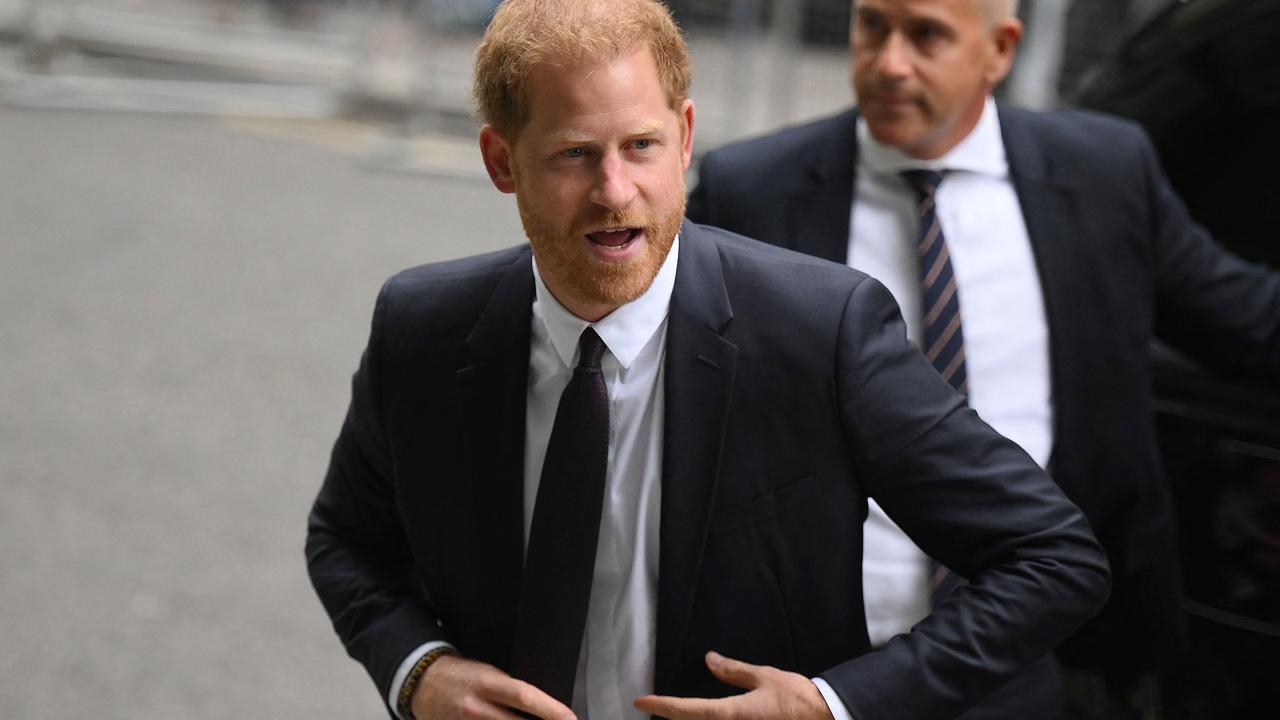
(621, 470)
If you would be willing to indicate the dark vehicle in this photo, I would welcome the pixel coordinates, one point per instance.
(1203, 77)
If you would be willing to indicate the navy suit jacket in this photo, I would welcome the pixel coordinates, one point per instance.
(1120, 262)
(792, 395)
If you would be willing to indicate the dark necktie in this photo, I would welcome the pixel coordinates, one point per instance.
(561, 552)
(943, 337)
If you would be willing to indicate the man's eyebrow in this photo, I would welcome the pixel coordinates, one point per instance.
(652, 128)
(571, 136)
(574, 136)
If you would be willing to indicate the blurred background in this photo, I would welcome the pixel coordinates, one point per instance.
(200, 198)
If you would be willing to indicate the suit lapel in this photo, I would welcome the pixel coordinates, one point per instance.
(820, 209)
(492, 381)
(1050, 209)
(699, 370)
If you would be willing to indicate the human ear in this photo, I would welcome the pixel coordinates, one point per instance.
(1004, 40)
(686, 132)
(497, 159)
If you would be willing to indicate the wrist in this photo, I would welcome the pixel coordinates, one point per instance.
(404, 701)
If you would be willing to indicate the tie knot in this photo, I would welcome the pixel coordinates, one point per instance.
(590, 349)
(924, 182)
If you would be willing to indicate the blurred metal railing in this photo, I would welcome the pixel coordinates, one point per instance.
(758, 63)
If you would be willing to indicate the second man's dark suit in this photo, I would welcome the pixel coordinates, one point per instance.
(791, 395)
(1120, 262)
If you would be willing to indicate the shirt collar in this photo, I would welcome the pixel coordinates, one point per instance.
(981, 151)
(625, 331)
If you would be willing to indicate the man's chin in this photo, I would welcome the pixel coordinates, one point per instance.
(603, 276)
(615, 282)
(618, 283)
(889, 127)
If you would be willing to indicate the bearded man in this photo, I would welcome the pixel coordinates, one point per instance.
(621, 470)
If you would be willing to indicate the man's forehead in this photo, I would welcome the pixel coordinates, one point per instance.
(928, 8)
(581, 101)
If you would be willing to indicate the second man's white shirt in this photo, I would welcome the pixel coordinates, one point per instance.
(1002, 313)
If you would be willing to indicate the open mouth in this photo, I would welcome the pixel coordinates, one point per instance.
(614, 237)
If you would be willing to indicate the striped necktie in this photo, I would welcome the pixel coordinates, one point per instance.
(943, 337)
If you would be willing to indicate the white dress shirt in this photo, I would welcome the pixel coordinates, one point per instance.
(1002, 314)
(616, 663)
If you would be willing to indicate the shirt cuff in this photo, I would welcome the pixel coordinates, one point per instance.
(837, 708)
(409, 661)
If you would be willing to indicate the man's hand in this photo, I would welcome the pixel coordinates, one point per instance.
(773, 693)
(455, 687)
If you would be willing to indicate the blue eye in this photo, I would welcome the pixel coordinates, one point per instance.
(642, 144)
(575, 152)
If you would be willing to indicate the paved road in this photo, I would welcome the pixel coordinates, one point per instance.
(181, 305)
(183, 297)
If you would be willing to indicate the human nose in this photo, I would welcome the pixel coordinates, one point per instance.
(894, 59)
(614, 187)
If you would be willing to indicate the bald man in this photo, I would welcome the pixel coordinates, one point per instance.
(1034, 256)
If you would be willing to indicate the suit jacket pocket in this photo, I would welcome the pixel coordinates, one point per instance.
(761, 508)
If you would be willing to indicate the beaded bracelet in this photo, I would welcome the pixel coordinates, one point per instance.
(404, 702)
